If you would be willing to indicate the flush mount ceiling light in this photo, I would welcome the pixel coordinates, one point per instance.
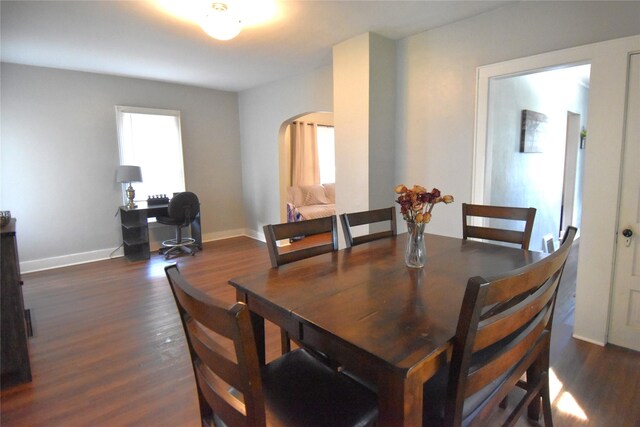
(222, 19)
(221, 22)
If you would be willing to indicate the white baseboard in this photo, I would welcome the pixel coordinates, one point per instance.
(227, 234)
(68, 260)
(103, 254)
(260, 237)
(589, 340)
(255, 235)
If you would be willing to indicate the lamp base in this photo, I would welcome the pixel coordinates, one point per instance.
(131, 194)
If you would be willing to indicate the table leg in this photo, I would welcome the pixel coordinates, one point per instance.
(257, 324)
(400, 401)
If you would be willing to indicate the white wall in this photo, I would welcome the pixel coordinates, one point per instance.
(531, 179)
(351, 76)
(364, 74)
(436, 118)
(382, 121)
(263, 110)
(60, 152)
(437, 83)
(436, 86)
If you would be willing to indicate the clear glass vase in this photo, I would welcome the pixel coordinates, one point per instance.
(415, 254)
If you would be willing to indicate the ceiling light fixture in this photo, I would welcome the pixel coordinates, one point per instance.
(220, 22)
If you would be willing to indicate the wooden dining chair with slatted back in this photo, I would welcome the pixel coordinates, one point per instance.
(355, 219)
(235, 390)
(312, 227)
(503, 332)
(522, 238)
(290, 230)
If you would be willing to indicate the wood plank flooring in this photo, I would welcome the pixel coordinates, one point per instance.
(109, 348)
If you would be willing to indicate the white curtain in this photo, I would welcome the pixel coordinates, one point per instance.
(305, 166)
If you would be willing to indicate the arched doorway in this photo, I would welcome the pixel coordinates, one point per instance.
(285, 158)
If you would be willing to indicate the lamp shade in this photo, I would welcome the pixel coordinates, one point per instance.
(126, 173)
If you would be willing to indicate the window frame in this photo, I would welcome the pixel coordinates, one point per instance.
(320, 157)
(121, 110)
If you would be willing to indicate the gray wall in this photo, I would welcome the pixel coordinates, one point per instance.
(435, 107)
(532, 179)
(364, 111)
(437, 83)
(263, 113)
(382, 119)
(60, 152)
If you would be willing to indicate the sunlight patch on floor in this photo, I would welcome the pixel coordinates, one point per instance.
(555, 385)
(155, 268)
(566, 402)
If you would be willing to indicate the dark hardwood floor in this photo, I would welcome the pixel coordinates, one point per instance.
(109, 349)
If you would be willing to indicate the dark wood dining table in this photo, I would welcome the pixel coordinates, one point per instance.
(388, 324)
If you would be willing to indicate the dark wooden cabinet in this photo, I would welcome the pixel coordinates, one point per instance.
(14, 360)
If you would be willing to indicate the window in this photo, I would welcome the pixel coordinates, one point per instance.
(326, 154)
(151, 139)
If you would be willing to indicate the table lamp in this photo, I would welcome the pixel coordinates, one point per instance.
(126, 173)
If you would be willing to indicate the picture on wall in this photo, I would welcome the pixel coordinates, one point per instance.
(533, 132)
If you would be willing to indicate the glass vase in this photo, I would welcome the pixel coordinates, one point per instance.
(415, 254)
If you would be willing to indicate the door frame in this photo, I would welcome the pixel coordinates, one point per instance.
(571, 157)
(324, 118)
(620, 295)
(601, 186)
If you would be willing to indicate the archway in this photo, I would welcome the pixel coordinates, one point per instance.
(284, 151)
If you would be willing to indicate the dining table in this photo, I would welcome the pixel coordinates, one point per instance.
(384, 323)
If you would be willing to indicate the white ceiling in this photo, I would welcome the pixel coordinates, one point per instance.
(137, 39)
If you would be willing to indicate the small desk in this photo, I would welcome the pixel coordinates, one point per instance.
(135, 229)
(363, 307)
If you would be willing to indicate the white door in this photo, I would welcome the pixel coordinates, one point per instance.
(624, 328)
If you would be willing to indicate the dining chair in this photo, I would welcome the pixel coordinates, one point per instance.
(522, 238)
(289, 230)
(503, 332)
(233, 389)
(355, 219)
(547, 243)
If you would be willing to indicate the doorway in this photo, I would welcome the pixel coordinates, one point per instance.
(324, 148)
(533, 155)
(602, 166)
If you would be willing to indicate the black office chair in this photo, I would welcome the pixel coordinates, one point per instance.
(183, 209)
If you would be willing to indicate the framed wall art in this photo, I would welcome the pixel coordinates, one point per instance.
(533, 132)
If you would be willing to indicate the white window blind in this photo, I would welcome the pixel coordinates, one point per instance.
(151, 139)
